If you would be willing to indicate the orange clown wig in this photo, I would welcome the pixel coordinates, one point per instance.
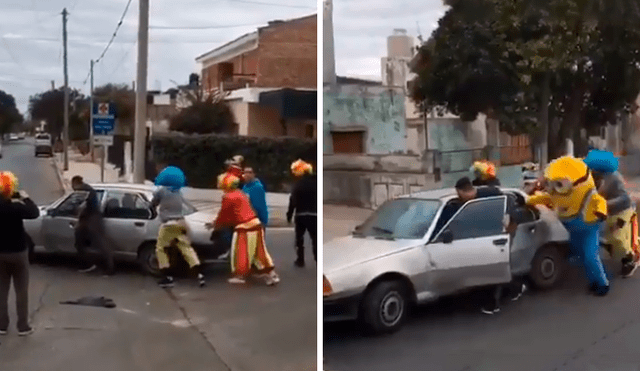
(299, 168)
(484, 169)
(228, 182)
(8, 183)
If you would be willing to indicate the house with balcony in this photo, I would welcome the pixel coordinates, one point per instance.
(269, 78)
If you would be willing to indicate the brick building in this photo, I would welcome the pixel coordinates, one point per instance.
(271, 77)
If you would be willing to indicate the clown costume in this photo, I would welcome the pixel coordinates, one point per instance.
(249, 255)
(485, 174)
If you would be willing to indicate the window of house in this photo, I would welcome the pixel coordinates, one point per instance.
(225, 71)
(309, 131)
(348, 142)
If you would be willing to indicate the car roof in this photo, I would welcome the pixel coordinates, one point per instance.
(446, 194)
(124, 187)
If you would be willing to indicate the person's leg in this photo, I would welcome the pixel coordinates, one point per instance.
(299, 230)
(164, 240)
(6, 270)
(21, 287)
(593, 263)
(191, 257)
(622, 241)
(492, 300)
(312, 227)
(240, 262)
(82, 239)
(103, 243)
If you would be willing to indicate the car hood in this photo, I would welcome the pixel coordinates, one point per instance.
(348, 251)
(201, 217)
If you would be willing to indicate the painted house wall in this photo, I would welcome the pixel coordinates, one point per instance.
(379, 111)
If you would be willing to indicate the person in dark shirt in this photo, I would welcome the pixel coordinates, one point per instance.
(14, 252)
(304, 203)
(90, 230)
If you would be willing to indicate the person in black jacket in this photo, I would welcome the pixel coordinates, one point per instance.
(90, 230)
(14, 252)
(304, 203)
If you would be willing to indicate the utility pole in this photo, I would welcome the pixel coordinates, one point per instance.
(65, 135)
(139, 145)
(91, 149)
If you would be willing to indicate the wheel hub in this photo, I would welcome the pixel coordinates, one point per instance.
(548, 268)
(391, 308)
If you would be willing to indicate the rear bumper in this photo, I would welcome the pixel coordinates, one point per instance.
(44, 149)
(341, 309)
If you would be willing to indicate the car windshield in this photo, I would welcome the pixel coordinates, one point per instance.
(405, 218)
(42, 136)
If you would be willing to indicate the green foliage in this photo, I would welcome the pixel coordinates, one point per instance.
(202, 157)
(9, 114)
(49, 106)
(203, 116)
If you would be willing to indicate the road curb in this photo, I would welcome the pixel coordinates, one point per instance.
(60, 173)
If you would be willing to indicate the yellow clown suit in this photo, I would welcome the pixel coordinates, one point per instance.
(485, 174)
(621, 229)
(571, 191)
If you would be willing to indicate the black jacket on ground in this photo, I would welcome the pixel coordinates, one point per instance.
(304, 198)
(12, 213)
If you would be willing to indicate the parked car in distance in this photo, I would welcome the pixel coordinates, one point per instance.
(130, 222)
(44, 145)
(13, 137)
(21, 136)
(404, 254)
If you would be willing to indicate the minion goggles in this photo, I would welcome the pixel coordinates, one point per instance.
(564, 186)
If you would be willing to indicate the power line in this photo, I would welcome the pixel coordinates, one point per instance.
(274, 4)
(115, 32)
(124, 57)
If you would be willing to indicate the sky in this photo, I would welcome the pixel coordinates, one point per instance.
(31, 39)
(361, 28)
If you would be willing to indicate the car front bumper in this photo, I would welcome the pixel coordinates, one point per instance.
(344, 308)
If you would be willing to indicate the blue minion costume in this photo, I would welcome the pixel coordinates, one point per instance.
(571, 191)
(172, 178)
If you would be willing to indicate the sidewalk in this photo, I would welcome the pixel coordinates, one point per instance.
(278, 203)
(340, 221)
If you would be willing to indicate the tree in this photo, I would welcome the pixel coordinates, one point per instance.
(205, 113)
(9, 114)
(124, 99)
(49, 106)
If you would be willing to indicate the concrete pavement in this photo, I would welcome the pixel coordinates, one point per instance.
(210, 199)
(220, 327)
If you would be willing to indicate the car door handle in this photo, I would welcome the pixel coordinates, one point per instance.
(139, 224)
(500, 241)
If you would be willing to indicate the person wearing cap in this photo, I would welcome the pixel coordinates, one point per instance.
(303, 202)
(174, 228)
(485, 174)
(621, 226)
(15, 206)
(249, 254)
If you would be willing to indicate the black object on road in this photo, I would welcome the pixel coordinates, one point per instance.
(92, 301)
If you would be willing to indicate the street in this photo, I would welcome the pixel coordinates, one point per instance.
(563, 329)
(219, 327)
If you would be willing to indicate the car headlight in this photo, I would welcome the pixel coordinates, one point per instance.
(326, 287)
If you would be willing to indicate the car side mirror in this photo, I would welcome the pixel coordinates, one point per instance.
(447, 236)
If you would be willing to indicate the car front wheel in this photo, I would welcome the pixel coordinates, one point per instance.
(385, 307)
(147, 259)
(547, 267)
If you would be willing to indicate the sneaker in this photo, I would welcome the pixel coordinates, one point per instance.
(628, 269)
(602, 291)
(225, 255)
(89, 269)
(201, 281)
(519, 295)
(272, 278)
(275, 277)
(236, 280)
(3, 332)
(26, 332)
(491, 311)
(299, 263)
(166, 282)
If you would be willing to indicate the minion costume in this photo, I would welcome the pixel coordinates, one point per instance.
(174, 229)
(621, 229)
(572, 192)
(485, 174)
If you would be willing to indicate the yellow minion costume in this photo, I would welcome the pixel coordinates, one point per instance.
(485, 174)
(572, 192)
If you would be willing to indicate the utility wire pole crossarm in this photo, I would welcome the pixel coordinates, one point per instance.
(65, 134)
(139, 145)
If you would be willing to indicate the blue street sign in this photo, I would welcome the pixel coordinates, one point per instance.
(104, 118)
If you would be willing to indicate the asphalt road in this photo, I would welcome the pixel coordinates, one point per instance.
(563, 329)
(219, 327)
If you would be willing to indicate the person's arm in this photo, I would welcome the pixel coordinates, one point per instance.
(225, 216)
(539, 198)
(25, 207)
(622, 197)
(292, 203)
(157, 197)
(261, 201)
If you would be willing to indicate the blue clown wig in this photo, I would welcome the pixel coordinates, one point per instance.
(172, 178)
(602, 161)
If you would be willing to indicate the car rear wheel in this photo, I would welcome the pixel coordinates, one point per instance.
(547, 267)
(147, 259)
(385, 307)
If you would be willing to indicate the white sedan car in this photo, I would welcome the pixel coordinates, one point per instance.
(417, 248)
(130, 222)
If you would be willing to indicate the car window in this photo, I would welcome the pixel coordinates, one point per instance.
(126, 205)
(71, 205)
(405, 218)
(481, 218)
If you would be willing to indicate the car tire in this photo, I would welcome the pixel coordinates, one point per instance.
(385, 307)
(547, 267)
(147, 259)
